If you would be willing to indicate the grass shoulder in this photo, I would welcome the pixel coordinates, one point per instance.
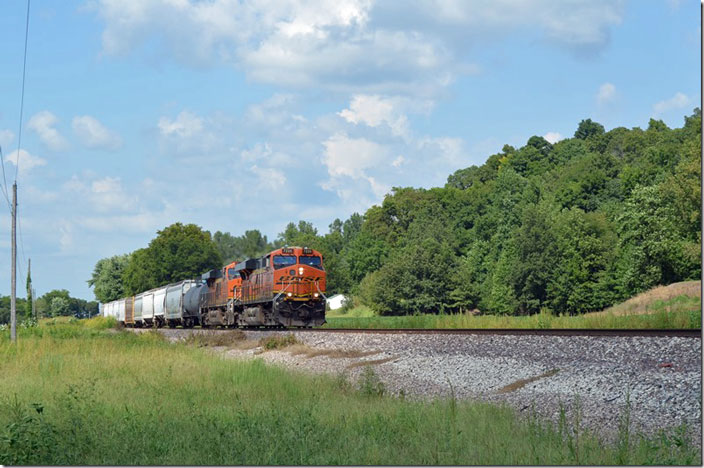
(84, 394)
(677, 306)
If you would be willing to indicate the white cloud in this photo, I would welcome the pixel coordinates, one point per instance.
(192, 136)
(446, 152)
(268, 177)
(104, 195)
(264, 152)
(606, 93)
(93, 134)
(398, 161)
(185, 125)
(352, 157)
(43, 124)
(553, 137)
(65, 229)
(417, 47)
(375, 110)
(6, 137)
(678, 101)
(27, 161)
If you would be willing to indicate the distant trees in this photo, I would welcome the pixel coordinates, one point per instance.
(250, 245)
(57, 302)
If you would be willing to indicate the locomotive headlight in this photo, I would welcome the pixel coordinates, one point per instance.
(289, 294)
(316, 294)
(300, 271)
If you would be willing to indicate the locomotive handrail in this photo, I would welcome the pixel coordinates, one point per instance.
(276, 298)
(319, 291)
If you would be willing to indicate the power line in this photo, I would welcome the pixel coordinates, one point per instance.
(4, 180)
(24, 72)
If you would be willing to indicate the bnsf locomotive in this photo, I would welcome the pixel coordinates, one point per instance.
(284, 288)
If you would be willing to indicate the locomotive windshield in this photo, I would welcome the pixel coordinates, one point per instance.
(282, 261)
(311, 261)
(231, 273)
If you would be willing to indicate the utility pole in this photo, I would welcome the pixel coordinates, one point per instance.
(28, 287)
(13, 271)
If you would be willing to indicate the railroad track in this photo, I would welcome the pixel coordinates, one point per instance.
(689, 333)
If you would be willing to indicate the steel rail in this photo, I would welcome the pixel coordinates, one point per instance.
(682, 333)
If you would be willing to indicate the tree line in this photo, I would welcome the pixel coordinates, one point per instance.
(571, 227)
(55, 303)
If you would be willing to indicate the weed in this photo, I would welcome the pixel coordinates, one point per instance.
(27, 438)
(278, 342)
(370, 384)
(624, 431)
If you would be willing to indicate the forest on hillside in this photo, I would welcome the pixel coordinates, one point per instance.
(569, 227)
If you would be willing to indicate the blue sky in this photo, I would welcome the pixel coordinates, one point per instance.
(142, 113)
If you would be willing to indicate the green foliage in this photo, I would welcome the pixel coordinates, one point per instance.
(58, 307)
(106, 279)
(278, 341)
(370, 385)
(178, 252)
(20, 309)
(588, 129)
(28, 302)
(249, 245)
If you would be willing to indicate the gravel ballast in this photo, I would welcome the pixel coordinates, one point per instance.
(660, 376)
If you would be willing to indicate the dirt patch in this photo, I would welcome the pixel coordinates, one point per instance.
(227, 339)
(309, 352)
(523, 382)
(371, 363)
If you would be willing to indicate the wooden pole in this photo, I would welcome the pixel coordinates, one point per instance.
(13, 270)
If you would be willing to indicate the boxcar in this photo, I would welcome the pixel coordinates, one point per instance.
(129, 311)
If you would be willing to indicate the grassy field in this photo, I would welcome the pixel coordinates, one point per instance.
(676, 306)
(82, 394)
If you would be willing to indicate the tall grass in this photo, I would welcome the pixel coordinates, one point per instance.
(85, 395)
(677, 313)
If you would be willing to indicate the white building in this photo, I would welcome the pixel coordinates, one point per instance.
(336, 301)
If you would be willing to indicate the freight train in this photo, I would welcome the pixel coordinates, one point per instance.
(284, 288)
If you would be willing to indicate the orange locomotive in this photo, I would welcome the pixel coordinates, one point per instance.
(285, 287)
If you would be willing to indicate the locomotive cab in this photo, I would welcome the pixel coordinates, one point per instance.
(298, 274)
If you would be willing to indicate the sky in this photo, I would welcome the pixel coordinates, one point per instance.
(248, 115)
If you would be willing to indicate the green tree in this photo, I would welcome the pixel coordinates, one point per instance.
(653, 250)
(587, 129)
(141, 273)
(582, 277)
(106, 279)
(178, 252)
(28, 303)
(59, 307)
